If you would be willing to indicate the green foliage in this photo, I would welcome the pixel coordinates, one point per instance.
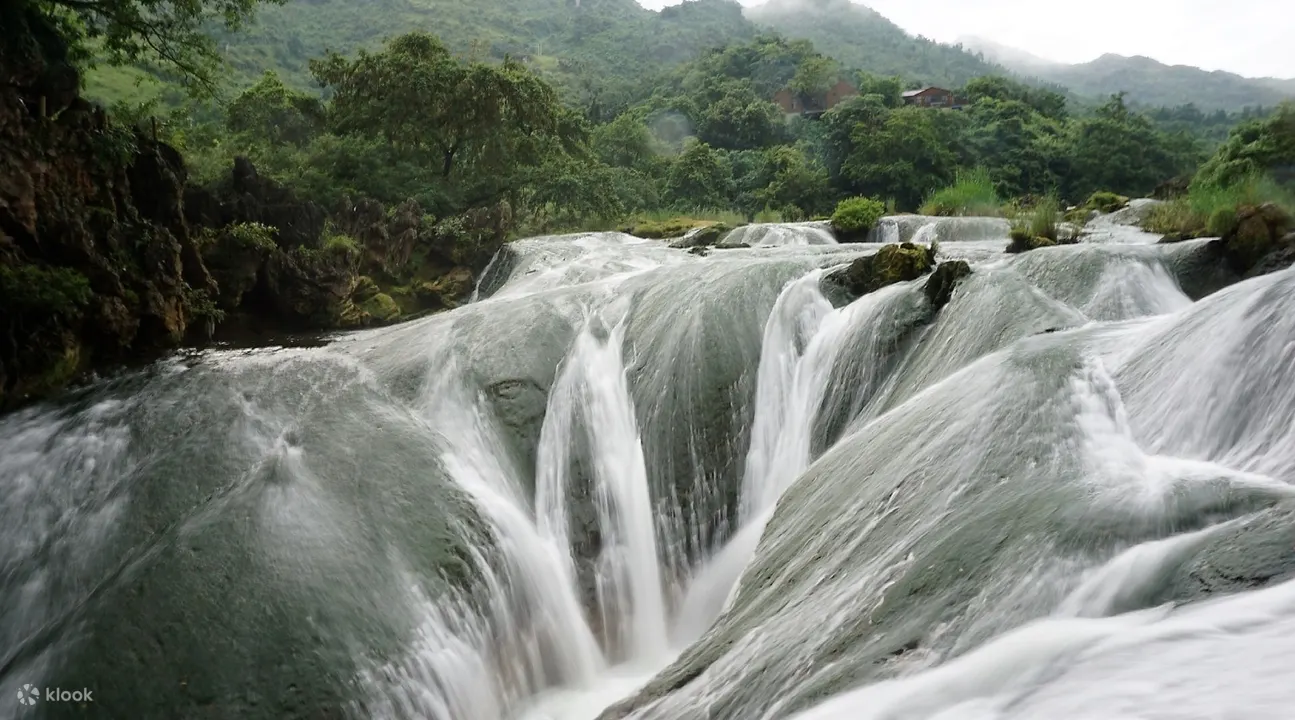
(1040, 221)
(253, 235)
(340, 244)
(471, 117)
(904, 155)
(699, 177)
(972, 193)
(168, 34)
(857, 215)
(1259, 146)
(1120, 150)
(1210, 210)
(202, 306)
(41, 292)
(275, 113)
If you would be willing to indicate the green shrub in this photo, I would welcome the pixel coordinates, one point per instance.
(1210, 210)
(768, 216)
(340, 243)
(254, 235)
(972, 193)
(857, 215)
(42, 291)
(1038, 222)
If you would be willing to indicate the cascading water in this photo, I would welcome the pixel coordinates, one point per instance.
(627, 481)
(593, 386)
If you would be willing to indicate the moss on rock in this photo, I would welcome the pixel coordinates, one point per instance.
(897, 262)
(1024, 243)
(1258, 231)
(381, 307)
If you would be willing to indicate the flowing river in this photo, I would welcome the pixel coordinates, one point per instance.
(629, 481)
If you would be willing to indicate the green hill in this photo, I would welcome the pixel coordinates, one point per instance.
(861, 38)
(578, 44)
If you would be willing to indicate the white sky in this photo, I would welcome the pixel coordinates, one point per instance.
(1250, 37)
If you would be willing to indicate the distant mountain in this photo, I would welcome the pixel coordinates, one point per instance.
(1147, 81)
(863, 39)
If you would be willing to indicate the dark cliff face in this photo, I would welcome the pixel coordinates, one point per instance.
(107, 258)
(96, 261)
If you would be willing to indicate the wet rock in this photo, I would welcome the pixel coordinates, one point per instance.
(1025, 243)
(699, 251)
(710, 235)
(1258, 232)
(891, 264)
(1280, 257)
(1175, 237)
(940, 286)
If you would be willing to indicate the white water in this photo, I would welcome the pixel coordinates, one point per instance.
(1147, 440)
(781, 235)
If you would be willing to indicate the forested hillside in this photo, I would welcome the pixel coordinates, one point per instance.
(861, 38)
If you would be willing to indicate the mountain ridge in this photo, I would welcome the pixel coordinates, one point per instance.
(1147, 80)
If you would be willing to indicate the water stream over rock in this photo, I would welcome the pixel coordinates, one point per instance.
(630, 481)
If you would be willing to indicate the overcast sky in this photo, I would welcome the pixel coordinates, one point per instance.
(1250, 37)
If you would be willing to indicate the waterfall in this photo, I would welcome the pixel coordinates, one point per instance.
(592, 395)
(634, 482)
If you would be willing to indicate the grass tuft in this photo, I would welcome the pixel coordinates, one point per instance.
(972, 194)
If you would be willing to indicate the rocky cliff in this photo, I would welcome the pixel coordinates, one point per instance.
(97, 265)
(107, 257)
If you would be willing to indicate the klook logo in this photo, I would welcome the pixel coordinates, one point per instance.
(30, 695)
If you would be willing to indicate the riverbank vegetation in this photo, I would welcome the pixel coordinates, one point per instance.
(1255, 166)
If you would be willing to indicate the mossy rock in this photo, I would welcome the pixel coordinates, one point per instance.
(940, 286)
(365, 289)
(1106, 202)
(1025, 243)
(708, 236)
(1258, 231)
(662, 229)
(897, 262)
(381, 307)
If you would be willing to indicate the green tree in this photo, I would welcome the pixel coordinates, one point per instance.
(904, 157)
(700, 177)
(814, 76)
(740, 120)
(477, 118)
(1121, 151)
(624, 142)
(795, 180)
(274, 112)
(1258, 146)
(172, 34)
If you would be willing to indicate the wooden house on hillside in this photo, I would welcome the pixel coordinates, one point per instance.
(933, 97)
(796, 103)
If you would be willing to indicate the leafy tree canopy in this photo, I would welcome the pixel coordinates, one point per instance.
(168, 34)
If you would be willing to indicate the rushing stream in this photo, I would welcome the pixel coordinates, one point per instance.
(630, 481)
